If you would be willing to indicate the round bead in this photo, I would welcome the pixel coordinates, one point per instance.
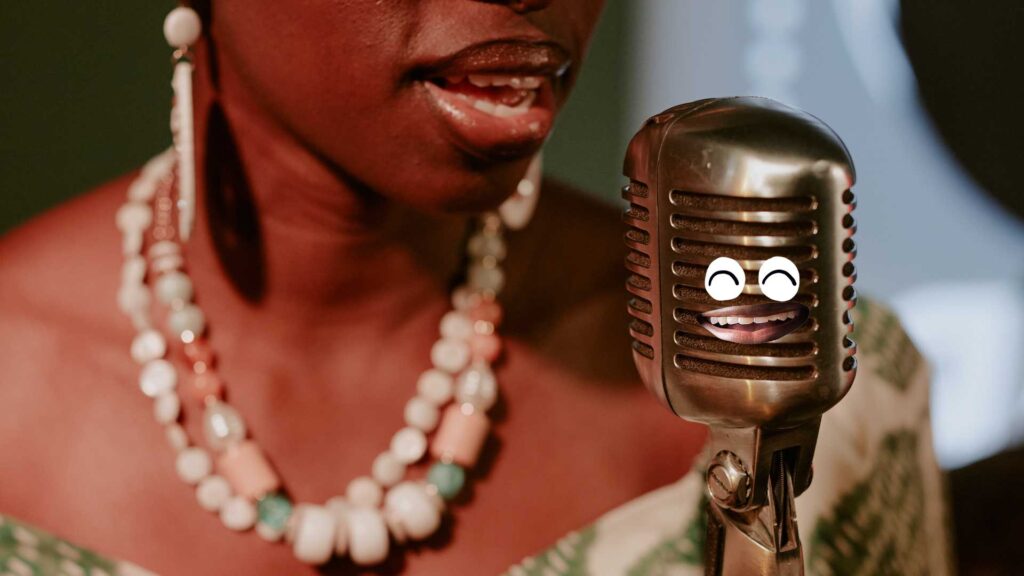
(486, 347)
(395, 526)
(463, 298)
(176, 437)
(367, 536)
(363, 491)
(478, 387)
(339, 507)
(164, 248)
(134, 217)
(238, 513)
(207, 384)
(173, 286)
(193, 465)
(486, 278)
(483, 245)
(387, 469)
(213, 492)
(222, 425)
(182, 27)
(133, 269)
(248, 470)
(148, 345)
(450, 355)
(409, 445)
(436, 386)
(133, 299)
(456, 325)
(166, 408)
(412, 506)
(188, 318)
(449, 479)
(157, 377)
(422, 414)
(486, 311)
(314, 535)
(274, 511)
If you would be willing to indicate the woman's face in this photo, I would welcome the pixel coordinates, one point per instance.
(435, 103)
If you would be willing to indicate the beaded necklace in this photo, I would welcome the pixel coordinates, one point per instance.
(231, 474)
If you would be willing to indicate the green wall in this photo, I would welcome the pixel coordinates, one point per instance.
(85, 97)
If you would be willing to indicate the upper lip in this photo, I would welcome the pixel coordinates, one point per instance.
(519, 57)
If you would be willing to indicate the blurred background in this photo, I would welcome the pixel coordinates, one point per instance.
(927, 95)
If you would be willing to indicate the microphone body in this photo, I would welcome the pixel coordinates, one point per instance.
(731, 200)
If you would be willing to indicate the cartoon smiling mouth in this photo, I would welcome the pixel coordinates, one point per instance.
(755, 323)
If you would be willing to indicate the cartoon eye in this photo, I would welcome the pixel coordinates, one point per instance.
(779, 279)
(724, 279)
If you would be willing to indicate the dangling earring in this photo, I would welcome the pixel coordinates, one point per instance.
(517, 210)
(182, 29)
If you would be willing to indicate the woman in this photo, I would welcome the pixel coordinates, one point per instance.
(324, 298)
(344, 147)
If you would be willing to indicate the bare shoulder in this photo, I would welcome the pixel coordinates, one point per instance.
(62, 340)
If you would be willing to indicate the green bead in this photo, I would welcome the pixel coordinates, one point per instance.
(274, 510)
(448, 478)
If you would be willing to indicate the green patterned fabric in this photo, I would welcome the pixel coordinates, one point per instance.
(877, 506)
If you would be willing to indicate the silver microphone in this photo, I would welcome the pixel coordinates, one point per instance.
(739, 231)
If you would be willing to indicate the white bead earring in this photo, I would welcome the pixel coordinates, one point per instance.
(182, 29)
(517, 210)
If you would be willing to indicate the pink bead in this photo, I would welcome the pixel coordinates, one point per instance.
(206, 384)
(460, 436)
(247, 470)
(487, 311)
(485, 347)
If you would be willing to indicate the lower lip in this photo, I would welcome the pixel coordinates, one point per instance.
(492, 136)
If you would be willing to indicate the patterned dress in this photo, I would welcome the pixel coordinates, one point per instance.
(877, 506)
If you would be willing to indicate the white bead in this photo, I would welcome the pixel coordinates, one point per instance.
(293, 521)
(462, 298)
(239, 513)
(421, 413)
(486, 278)
(193, 465)
(314, 535)
(148, 345)
(173, 286)
(167, 263)
(414, 508)
(436, 386)
(176, 437)
(163, 248)
(408, 445)
(142, 189)
(134, 217)
(157, 376)
(456, 325)
(450, 355)
(133, 298)
(182, 27)
(131, 242)
(517, 210)
(363, 491)
(395, 526)
(339, 507)
(367, 536)
(477, 386)
(483, 245)
(222, 425)
(188, 318)
(387, 469)
(133, 270)
(166, 408)
(213, 492)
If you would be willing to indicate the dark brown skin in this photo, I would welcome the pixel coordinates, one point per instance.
(323, 330)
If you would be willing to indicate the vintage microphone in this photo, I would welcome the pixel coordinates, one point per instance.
(740, 289)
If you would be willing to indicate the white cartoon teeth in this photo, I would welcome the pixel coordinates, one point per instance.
(745, 320)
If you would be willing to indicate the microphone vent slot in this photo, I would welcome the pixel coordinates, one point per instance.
(640, 259)
(750, 231)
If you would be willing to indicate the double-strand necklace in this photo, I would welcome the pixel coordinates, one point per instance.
(231, 474)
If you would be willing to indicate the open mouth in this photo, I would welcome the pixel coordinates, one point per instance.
(755, 323)
(498, 99)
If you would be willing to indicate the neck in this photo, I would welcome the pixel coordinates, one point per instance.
(295, 238)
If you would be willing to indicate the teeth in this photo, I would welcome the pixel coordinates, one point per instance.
(485, 106)
(744, 320)
(485, 80)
